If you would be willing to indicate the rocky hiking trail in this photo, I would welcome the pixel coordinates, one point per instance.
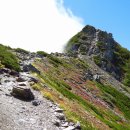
(33, 114)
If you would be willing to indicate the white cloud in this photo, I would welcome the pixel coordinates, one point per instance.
(37, 24)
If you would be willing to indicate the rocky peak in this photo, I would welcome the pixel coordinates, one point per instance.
(92, 41)
(101, 47)
(90, 30)
(95, 39)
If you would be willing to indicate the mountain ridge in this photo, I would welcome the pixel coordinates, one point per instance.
(76, 81)
(106, 52)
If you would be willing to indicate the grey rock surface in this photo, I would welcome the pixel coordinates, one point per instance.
(99, 45)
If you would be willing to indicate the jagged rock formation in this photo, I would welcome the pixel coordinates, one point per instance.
(100, 45)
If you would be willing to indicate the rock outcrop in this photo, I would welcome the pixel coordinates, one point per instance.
(102, 48)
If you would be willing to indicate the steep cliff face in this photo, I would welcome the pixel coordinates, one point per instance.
(102, 47)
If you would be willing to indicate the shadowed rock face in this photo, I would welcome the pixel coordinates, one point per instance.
(100, 45)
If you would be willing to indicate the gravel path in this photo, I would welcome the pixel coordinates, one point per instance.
(16, 114)
(39, 114)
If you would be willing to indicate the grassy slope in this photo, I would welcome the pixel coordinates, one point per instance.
(8, 59)
(96, 106)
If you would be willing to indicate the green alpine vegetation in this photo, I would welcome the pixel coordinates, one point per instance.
(90, 81)
(8, 59)
(65, 78)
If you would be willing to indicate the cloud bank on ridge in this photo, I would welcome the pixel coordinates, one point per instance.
(37, 24)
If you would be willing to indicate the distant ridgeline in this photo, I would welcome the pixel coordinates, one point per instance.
(105, 51)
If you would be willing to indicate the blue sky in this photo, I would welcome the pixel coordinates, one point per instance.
(109, 15)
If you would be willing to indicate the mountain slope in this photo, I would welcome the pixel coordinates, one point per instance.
(86, 81)
(94, 104)
(18, 109)
(106, 52)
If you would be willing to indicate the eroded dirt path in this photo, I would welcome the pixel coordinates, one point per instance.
(16, 114)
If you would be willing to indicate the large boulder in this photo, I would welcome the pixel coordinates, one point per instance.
(23, 93)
